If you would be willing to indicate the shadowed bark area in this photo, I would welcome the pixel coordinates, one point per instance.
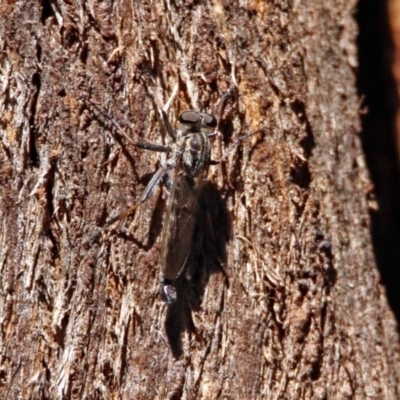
(377, 76)
(280, 297)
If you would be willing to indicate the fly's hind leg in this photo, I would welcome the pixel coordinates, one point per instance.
(155, 180)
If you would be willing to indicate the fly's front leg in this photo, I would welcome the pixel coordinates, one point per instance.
(162, 109)
(142, 144)
(218, 112)
(234, 144)
(231, 92)
(223, 157)
(219, 109)
(154, 181)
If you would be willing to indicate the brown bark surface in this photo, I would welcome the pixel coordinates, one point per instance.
(284, 301)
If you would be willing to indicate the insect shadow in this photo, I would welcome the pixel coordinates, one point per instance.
(207, 256)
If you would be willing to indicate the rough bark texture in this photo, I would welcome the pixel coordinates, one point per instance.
(295, 310)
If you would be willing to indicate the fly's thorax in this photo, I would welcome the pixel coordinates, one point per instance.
(195, 151)
(193, 143)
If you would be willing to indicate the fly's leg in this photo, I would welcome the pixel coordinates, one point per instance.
(219, 109)
(142, 145)
(162, 109)
(234, 144)
(168, 292)
(218, 112)
(155, 180)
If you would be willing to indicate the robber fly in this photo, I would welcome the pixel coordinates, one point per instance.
(183, 173)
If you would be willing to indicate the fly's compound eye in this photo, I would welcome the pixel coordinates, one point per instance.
(209, 121)
(189, 118)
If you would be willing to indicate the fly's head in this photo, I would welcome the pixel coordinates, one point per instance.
(193, 140)
(194, 122)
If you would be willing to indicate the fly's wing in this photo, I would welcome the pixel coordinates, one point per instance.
(180, 222)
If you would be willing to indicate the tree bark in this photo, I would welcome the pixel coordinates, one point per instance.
(283, 298)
